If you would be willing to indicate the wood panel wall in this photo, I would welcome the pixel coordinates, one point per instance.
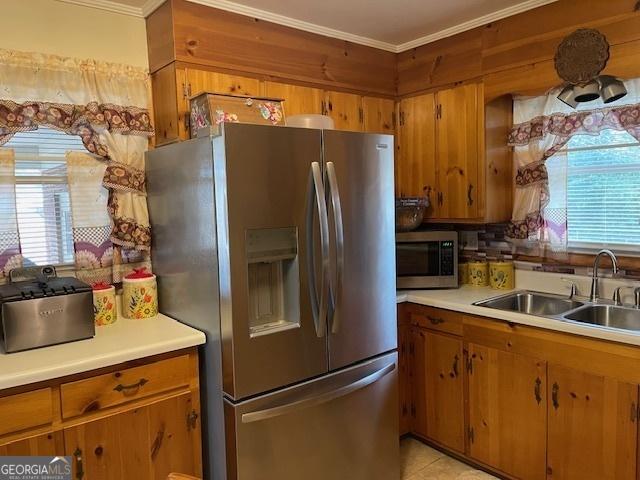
(187, 32)
(515, 54)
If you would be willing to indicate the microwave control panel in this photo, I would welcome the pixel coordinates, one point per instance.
(446, 257)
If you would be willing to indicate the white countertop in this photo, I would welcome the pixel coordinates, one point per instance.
(462, 299)
(123, 341)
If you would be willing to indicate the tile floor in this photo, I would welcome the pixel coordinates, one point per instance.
(421, 462)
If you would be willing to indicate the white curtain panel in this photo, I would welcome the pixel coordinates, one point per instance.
(10, 256)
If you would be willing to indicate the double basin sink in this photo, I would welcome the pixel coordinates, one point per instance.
(566, 309)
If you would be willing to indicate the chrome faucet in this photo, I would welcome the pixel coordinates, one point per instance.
(594, 280)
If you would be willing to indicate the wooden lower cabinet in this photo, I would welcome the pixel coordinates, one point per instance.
(46, 444)
(592, 426)
(444, 390)
(116, 428)
(438, 392)
(148, 442)
(507, 411)
(404, 392)
(528, 403)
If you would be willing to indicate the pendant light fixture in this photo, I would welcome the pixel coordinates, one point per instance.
(580, 58)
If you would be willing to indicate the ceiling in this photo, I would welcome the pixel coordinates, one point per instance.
(394, 25)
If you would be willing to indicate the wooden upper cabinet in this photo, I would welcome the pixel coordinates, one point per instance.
(379, 115)
(507, 411)
(444, 390)
(297, 100)
(445, 151)
(457, 152)
(207, 81)
(592, 426)
(345, 109)
(415, 165)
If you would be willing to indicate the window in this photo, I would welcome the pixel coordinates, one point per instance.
(42, 195)
(602, 190)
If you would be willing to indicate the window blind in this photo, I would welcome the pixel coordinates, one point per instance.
(42, 195)
(603, 191)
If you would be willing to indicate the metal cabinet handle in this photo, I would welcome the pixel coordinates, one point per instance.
(435, 320)
(77, 456)
(537, 390)
(134, 386)
(319, 399)
(336, 289)
(455, 365)
(315, 199)
(469, 197)
(554, 395)
(192, 419)
(634, 412)
(440, 198)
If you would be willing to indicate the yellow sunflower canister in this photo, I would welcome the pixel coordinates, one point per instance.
(501, 275)
(139, 294)
(104, 304)
(478, 274)
(463, 273)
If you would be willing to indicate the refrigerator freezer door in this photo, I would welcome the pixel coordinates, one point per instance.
(267, 183)
(359, 184)
(344, 425)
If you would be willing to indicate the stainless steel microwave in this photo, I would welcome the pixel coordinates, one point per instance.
(427, 259)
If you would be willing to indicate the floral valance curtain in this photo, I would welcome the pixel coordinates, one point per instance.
(106, 105)
(543, 126)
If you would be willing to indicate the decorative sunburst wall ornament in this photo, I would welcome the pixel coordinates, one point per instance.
(580, 58)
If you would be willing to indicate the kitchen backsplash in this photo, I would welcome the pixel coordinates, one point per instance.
(489, 242)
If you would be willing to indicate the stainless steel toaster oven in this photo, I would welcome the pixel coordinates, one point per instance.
(44, 309)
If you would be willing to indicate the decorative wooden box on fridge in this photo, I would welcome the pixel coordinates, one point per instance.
(209, 110)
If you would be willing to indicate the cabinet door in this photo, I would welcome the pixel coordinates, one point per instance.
(458, 151)
(164, 89)
(142, 443)
(379, 115)
(507, 411)
(444, 390)
(418, 381)
(346, 110)
(404, 392)
(592, 426)
(297, 100)
(415, 165)
(47, 444)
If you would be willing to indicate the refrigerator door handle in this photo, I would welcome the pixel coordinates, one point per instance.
(315, 199)
(320, 399)
(339, 232)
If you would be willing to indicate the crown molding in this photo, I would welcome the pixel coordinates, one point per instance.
(471, 24)
(151, 5)
(292, 22)
(108, 6)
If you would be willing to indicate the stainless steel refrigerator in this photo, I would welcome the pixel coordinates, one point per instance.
(278, 243)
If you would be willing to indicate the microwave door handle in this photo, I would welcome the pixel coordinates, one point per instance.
(315, 200)
(339, 232)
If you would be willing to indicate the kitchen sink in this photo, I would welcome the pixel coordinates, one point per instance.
(607, 316)
(532, 303)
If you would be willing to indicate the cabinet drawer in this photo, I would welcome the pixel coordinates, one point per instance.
(437, 319)
(26, 410)
(121, 386)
